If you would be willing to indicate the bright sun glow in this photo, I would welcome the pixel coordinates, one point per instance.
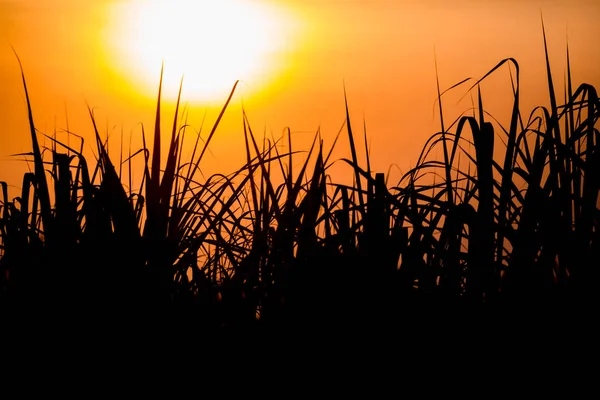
(211, 43)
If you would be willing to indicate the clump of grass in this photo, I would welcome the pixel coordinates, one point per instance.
(511, 230)
(468, 232)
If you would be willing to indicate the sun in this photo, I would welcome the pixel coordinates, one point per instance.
(210, 43)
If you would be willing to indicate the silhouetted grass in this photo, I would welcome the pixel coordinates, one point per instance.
(469, 235)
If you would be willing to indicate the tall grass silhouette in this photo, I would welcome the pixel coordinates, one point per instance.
(471, 231)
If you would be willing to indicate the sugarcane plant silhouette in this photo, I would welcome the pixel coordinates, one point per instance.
(485, 226)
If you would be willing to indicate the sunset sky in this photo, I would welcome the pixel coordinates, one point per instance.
(293, 57)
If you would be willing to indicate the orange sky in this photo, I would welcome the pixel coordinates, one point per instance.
(294, 57)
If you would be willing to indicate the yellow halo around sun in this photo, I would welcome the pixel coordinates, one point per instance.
(211, 43)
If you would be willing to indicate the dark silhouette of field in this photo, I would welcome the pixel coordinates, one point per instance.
(470, 239)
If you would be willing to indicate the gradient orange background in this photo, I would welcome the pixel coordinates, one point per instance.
(381, 51)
